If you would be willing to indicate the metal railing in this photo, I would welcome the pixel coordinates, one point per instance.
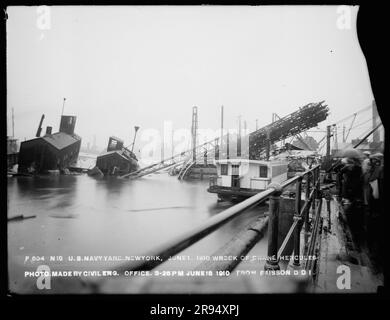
(301, 217)
(181, 242)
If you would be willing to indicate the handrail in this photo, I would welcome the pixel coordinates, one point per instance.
(301, 214)
(188, 238)
(311, 248)
(295, 223)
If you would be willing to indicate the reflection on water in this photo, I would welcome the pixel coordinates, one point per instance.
(80, 215)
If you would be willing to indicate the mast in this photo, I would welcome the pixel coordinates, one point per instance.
(343, 133)
(13, 124)
(63, 106)
(194, 131)
(221, 125)
(135, 134)
(62, 112)
(239, 137)
(328, 135)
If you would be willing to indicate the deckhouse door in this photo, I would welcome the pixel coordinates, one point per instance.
(235, 176)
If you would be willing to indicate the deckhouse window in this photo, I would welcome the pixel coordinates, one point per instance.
(224, 169)
(235, 169)
(263, 171)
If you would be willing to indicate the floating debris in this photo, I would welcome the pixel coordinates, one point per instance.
(64, 216)
(95, 172)
(157, 209)
(20, 217)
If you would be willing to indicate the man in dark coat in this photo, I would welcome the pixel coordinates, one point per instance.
(352, 194)
(376, 206)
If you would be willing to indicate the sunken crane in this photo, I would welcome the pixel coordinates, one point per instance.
(237, 179)
(303, 119)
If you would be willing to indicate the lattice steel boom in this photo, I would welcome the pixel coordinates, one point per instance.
(305, 118)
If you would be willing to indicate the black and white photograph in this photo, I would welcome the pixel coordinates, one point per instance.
(192, 150)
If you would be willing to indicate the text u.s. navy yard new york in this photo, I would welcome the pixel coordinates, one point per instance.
(102, 258)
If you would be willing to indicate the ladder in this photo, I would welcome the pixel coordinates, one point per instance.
(189, 164)
(185, 169)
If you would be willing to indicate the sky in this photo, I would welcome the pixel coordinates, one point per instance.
(119, 67)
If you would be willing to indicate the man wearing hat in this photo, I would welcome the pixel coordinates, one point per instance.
(376, 173)
(375, 202)
(352, 195)
(366, 172)
(366, 161)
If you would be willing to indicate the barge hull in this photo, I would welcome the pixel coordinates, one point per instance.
(233, 194)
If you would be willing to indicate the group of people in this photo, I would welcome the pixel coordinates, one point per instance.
(361, 187)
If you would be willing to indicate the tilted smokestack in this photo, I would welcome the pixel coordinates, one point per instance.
(38, 134)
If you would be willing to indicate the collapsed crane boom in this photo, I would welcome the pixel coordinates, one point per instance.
(305, 118)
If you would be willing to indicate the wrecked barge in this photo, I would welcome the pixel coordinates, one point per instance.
(117, 160)
(51, 153)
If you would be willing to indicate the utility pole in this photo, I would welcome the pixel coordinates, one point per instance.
(328, 135)
(336, 146)
(268, 150)
(13, 124)
(194, 129)
(239, 137)
(344, 133)
(227, 145)
(221, 126)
